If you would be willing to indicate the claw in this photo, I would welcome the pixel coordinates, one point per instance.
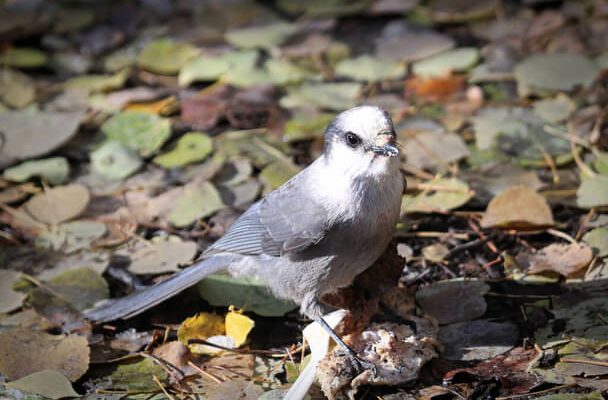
(363, 365)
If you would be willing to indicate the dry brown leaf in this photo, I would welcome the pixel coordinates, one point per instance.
(569, 260)
(23, 352)
(58, 204)
(518, 207)
(434, 88)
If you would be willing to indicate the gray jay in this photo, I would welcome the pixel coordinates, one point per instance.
(312, 235)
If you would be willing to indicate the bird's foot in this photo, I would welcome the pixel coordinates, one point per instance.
(361, 364)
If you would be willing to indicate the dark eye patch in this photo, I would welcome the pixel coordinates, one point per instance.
(352, 139)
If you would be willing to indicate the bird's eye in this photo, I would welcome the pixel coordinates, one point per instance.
(352, 139)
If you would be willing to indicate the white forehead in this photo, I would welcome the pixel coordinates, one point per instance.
(363, 120)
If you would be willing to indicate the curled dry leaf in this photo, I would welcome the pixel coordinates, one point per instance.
(58, 204)
(23, 352)
(569, 260)
(518, 207)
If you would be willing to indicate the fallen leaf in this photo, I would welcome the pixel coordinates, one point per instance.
(70, 237)
(593, 192)
(54, 170)
(17, 90)
(436, 88)
(164, 56)
(197, 201)
(159, 256)
(48, 383)
(210, 68)
(248, 294)
(367, 68)
(441, 194)
(10, 300)
(518, 207)
(80, 287)
(190, 148)
(555, 110)
(114, 161)
(174, 352)
(306, 125)
(238, 327)
(265, 36)
(140, 131)
(569, 260)
(277, 173)
(66, 354)
(558, 71)
(477, 340)
(201, 326)
(598, 240)
(434, 150)
(137, 376)
(28, 134)
(58, 204)
(240, 389)
(98, 83)
(23, 57)
(411, 46)
(332, 96)
(444, 64)
(466, 300)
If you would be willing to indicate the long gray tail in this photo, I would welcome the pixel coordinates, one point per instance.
(138, 302)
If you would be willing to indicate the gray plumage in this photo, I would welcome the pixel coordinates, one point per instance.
(312, 235)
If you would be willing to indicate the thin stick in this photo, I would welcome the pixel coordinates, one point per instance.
(580, 361)
(562, 235)
(577, 159)
(160, 385)
(205, 373)
(553, 389)
(581, 229)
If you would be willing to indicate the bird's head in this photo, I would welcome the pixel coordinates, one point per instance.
(362, 139)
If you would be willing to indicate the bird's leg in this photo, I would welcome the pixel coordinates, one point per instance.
(358, 362)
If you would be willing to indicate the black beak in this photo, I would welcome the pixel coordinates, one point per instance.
(388, 150)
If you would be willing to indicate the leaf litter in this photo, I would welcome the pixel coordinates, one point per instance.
(131, 140)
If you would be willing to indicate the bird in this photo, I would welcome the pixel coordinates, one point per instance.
(312, 235)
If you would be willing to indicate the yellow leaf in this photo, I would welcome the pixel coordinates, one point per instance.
(238, 327)
(160, 107)
(201, 326)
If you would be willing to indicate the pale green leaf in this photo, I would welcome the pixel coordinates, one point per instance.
(54, 170)
(139, 131)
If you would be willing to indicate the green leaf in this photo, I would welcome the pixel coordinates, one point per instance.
(72, 236)
(98, 83)
(137, 377)
(80, 287)
(333, 96)
(17, 90)
(283, 72)
(601, 162)
(246, 293)
(265, 37)
(190, 148)
(368, 68)
(277, 173)
(48, 383)
(304, 126)
(593, 192)
(598, 239)
(198, 201)
(164, 56)
(554, 72)
(443, 194)
(554, 110)
(210, 68)
(114, 161)
(139, 131)
(445, 63)
(54, 170)
(23, 57)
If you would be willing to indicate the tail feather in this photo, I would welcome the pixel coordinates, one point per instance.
(138, 302)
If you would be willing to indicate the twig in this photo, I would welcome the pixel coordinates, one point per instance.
(434, 234)
(581, 361)
(471, 244)
(550, 163)
(562, 235)
(489, 244)
(205, 373)
(160, 385)
(577, 159)
(553, 389)
(581, 229)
